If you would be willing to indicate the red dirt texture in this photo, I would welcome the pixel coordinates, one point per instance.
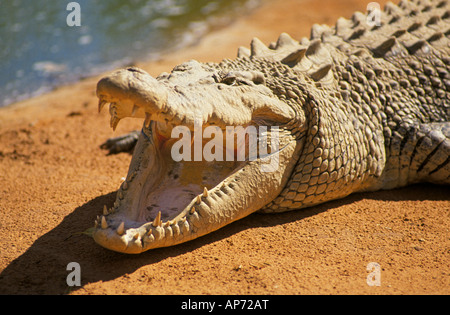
(55, 180)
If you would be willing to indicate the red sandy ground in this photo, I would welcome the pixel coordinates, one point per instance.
(55, 181)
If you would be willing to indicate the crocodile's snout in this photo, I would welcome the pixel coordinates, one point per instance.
(170, 195)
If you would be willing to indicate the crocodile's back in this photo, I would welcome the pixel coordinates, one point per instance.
(389, 85)
(404, 58)
(404, 71)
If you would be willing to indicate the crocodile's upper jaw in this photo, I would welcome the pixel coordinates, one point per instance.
(164, 202)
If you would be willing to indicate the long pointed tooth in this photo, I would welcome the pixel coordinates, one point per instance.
(114, 122)
(105, 210)
(192, 210)
(101, 104)
(148, 119)
(104, 223)
(205, 192)
(135, 109)
(157, 222)
(199, 199)
(121, 229)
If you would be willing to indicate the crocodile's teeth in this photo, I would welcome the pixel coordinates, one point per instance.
(105, 210)
(157, 221)
(205, 192)
(121, 229)
(192, 210)
(199, 199)
(114, 122)
(101, 104)
(104, 224)
(148, 119)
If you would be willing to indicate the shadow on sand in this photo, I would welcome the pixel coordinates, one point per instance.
(42, 269)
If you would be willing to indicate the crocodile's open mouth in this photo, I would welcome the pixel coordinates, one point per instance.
(163, 201)
(185, 181)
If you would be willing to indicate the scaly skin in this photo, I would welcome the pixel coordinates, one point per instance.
(358, 108)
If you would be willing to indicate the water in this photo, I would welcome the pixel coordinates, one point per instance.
(38, 50)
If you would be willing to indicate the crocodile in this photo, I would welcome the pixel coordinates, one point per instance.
(355, 107)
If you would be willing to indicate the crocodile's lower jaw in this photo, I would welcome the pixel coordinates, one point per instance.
(163, 203)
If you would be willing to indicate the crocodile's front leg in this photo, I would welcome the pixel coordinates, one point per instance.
(124, 143)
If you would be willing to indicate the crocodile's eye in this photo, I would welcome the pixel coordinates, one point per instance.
(243, 78)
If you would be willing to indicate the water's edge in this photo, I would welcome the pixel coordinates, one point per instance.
(41, 52)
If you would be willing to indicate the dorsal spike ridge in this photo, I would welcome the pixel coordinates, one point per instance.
(314, 47)
(316, 31)
(257, 47)
(321, 31)
(391, 9)
(385, 46)
(433, 20)
(359, 19)
(419, 46)
(295, 57)
(285, 40)
(342, 27)
(414, 27)
(243, 52)
(321, 73)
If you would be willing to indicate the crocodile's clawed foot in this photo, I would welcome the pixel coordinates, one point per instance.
(124, 143)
